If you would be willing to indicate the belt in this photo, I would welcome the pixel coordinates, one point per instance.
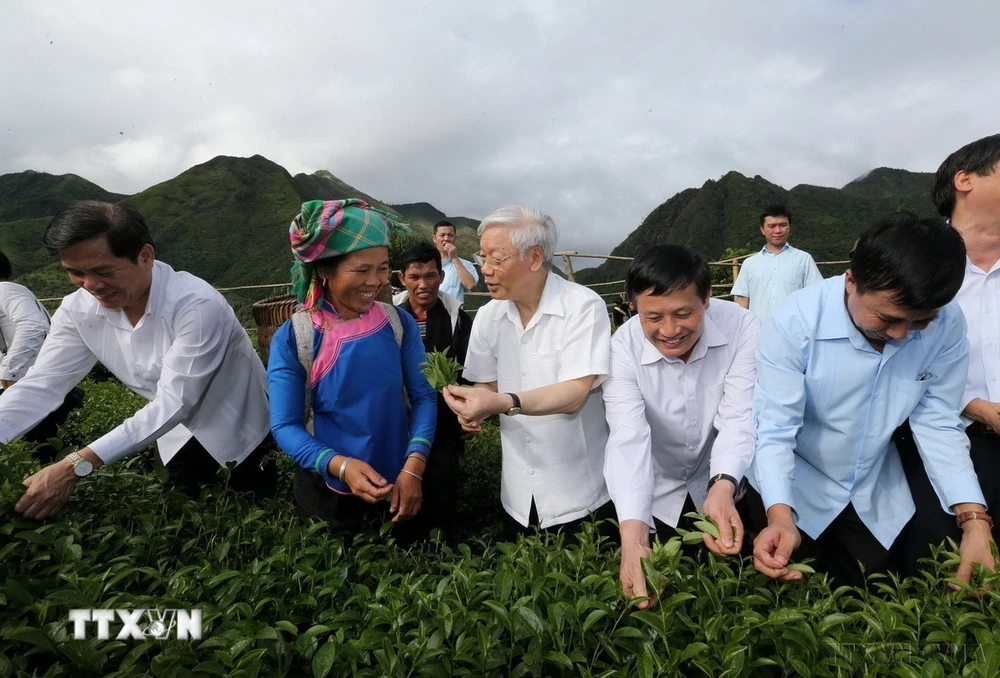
(978, 428)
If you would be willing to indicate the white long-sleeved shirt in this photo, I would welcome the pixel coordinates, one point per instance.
(23, 326)
(674, 423)
(187, 355)
(978, 298)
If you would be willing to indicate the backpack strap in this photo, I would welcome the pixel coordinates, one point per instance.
(397, 325)
(303, 328)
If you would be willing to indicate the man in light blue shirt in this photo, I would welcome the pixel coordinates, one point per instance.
(777, 270)
(459, 274)
(840, 366)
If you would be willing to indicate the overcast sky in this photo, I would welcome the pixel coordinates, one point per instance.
(596, 112)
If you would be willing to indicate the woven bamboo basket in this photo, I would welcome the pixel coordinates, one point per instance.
(271, 313)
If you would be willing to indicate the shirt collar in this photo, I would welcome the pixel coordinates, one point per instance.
(549, 304)
(711, 337)
(835, 322)
(764, 250)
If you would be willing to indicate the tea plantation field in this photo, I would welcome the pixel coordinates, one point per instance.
(282, 598)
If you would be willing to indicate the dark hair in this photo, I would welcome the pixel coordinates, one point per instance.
(4, 267)
(979, 157)
(775, 210)
(329, 265)
(442, 224)
(124, 227)
(419, 252)
(921, 261)
(666, 269)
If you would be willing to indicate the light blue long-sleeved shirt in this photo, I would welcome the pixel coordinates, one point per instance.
(826, 404)
(768, 277)
(451, 283)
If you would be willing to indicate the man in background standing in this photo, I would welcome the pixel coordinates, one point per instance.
(443, 325)
(777, 270)
(459, 274)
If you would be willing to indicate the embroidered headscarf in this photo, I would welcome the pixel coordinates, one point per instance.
(329, 228)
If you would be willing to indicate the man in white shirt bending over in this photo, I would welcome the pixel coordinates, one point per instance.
(537, 355)
(165, 334)
(678, 403)
(777, 270)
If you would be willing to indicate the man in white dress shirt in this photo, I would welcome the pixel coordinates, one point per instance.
(459, 274)
(24, 323)
(678, 404)
(165, 334)
(967, 191)
(537, 355)
(777, 270)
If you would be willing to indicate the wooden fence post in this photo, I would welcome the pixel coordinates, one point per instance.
(568, 264)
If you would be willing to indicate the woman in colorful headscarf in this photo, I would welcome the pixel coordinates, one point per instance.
(362, 447)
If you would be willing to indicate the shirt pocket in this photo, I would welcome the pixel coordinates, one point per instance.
(905, 394)
(541, 369)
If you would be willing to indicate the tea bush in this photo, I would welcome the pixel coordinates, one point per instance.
(283, 598)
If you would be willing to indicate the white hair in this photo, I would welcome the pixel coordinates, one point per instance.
(528, 227)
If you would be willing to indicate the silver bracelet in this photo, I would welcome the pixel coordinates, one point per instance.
(343, 469)
(411, 473)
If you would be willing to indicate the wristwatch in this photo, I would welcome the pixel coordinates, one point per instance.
(81, 467)
(723, 476)
(516, 409)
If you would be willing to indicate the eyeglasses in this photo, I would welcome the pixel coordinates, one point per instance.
(493, 262)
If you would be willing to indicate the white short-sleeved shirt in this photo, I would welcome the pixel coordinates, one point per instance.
(451, 283)
(674, 423)
(978, 298)
(557, 459)
(766, 278)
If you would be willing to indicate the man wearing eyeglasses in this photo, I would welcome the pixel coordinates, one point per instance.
(538, 353)
(459, 274)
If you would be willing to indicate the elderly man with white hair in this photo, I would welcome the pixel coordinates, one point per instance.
(538, 353)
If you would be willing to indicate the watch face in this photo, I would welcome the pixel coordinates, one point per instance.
(83, 468)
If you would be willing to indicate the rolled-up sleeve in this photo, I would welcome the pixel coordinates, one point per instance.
(937, 429)
(189, 367)
(628, 463)
(779, 405)
(733, 449)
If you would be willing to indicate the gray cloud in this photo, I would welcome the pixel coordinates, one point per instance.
(595, 112)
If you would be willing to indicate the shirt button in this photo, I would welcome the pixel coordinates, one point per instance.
(531, 472)
(989, 343)
(872, 434)
(989, 309)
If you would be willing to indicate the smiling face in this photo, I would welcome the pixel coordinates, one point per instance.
(422, 282)
(352, 286)
(116, 282)
(879, 318)
(673, 322)
(776, 231)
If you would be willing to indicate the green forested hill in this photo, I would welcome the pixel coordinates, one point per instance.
(225, 220)
(723, 214)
